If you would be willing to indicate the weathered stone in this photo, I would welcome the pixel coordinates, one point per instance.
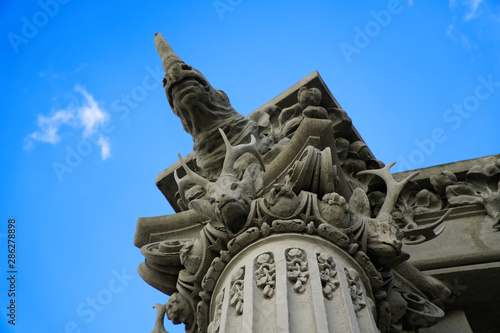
(255, 249)
(202, 110)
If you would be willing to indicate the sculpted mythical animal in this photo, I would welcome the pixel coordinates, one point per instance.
(384, 236)
(227, 200)
(202, 110)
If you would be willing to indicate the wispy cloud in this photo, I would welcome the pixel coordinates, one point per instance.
(86, 117)
(89, 114)
(473, 6)
(49, 126)
(52, 75)
(473, 24)
(469, 6)
(105, 148)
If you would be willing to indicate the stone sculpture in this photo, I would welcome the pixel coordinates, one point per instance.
(286, 209)
(201, 108)
(228, 199)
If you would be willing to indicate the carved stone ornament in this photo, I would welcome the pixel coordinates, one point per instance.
(297, 270)
(356, 291)
(486, 182)
(329, 276)
(160, 317)
(236, 293)
(480, 186)
(265, 274)
(215, 324)
(295, 168)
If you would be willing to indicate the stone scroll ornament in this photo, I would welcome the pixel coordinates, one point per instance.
(355, 289)
(328, 274)
(265, 274)
(218, 313)
(297, 270)
(237, 292)
(295, 168)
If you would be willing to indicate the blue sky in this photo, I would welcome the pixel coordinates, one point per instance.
(85, 125)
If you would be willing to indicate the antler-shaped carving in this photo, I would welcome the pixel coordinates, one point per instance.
(183, 183)
(234, 152)
(191, 176)
(393, 187)
(425, 233)
(228, 199)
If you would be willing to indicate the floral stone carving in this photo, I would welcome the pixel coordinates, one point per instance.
(297, 271)
(355, 288)
(265, 274)
(215, 325)
(236, 293)
(328, 274)
(486, 182)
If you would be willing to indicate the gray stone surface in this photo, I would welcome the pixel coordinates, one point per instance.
(298, 302)
(342, 128)
(287, 223)
(201, 109)
(464, 241)
(476, 292)
(454, 322)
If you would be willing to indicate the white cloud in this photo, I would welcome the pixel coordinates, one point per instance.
(468, 8)
(105, 149)
(473, 6)
(90, 115)
(463, 11)
(87, 118)
(49, 126)
(79, 68)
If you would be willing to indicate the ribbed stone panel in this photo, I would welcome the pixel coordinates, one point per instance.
(292, 283)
